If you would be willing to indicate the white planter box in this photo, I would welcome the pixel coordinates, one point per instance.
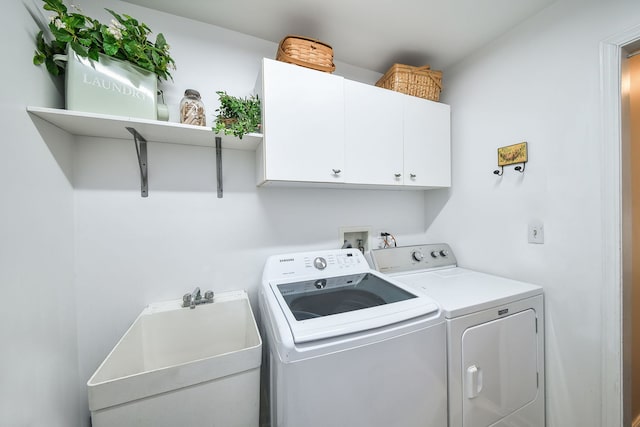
(109, 86)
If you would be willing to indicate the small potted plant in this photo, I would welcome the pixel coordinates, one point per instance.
(237, 116)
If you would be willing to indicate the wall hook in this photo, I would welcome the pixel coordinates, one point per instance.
(511, 155)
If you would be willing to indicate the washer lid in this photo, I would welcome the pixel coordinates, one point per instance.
(333, 306)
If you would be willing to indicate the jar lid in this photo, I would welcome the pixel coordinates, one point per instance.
(192, 92)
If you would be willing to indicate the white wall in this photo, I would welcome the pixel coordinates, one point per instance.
(132, 251)
(39, 358)
(538, 83)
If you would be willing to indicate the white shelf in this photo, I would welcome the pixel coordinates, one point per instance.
(143, 131)
(108, 126)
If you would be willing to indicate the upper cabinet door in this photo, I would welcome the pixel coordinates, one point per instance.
(427, 143)
(303, 115)
(373, 135)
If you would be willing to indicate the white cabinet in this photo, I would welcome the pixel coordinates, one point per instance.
(427, 143)
(324, 129)
(303, 124)
(373, 135)
(395, 139)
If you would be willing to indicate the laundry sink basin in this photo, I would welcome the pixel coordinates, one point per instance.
(174, 360)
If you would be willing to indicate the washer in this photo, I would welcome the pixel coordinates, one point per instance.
(348, 346)
(495, 336)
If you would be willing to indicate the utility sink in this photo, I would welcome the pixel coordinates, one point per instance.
(182, 366)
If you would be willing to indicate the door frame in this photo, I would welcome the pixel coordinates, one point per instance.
(614, 186)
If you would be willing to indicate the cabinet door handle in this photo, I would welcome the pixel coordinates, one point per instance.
(397, 175)
(336, 171)
(412, 175)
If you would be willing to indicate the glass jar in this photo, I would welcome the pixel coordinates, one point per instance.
(192, 109)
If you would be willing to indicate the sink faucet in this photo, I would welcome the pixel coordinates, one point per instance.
(195, 298)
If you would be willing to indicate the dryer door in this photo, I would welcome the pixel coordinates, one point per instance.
(499, 365)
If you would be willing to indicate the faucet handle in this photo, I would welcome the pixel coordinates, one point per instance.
(208, 295)
(186, 300)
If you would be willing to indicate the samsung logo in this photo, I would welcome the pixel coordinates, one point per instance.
(286, 260)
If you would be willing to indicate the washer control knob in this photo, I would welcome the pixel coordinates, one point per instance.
(417, 255)
(435, 254)
(320, 263)
(444, 253)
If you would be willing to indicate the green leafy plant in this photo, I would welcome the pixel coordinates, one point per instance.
(237, 116)
(124, 38)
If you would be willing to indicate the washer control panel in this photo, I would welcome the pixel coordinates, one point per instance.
(333, 260)
(411, 258)
(323, 263)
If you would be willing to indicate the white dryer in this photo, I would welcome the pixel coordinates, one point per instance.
(348, 346)
(495, 336)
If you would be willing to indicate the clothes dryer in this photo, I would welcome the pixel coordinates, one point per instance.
(495, 336)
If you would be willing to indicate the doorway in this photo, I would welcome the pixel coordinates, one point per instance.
(620, 399)
(633, 305)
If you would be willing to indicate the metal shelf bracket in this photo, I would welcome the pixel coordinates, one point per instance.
(219, 165)
(141, 151)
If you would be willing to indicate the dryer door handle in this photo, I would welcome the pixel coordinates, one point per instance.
(473, 381)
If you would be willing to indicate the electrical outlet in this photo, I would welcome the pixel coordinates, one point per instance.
(536, 232)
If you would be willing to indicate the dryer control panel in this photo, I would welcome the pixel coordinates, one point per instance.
(412, 258)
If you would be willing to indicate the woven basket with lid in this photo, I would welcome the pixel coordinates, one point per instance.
(422, 82)
(306, 52)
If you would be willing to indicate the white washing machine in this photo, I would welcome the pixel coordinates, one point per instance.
(495, 336)
(348, 346)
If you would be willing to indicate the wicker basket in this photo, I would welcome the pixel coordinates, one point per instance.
(417, 81)
(306, 52)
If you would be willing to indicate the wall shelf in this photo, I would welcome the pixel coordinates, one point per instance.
(108, 126)
(143, 131)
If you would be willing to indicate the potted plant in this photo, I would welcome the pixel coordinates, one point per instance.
(124, 38)
(123, 47)
(237, 116)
